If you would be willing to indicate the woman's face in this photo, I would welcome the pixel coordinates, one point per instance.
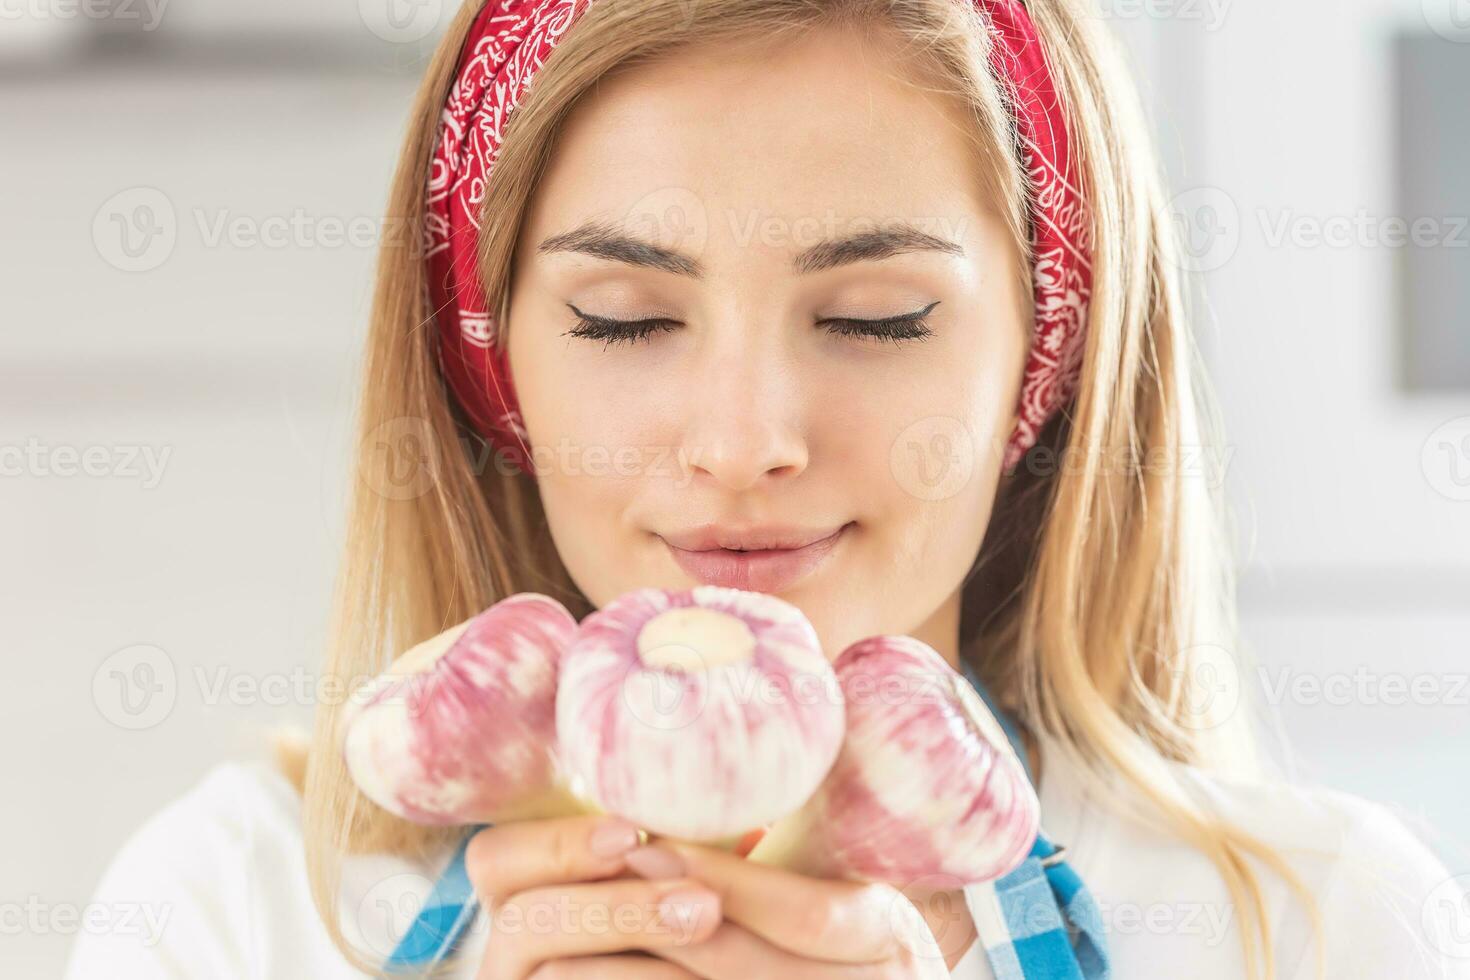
(751, 206)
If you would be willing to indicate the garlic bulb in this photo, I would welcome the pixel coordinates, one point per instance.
(461, 729)
(700, 713)
(926, 785)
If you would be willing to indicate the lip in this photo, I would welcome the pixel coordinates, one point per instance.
(767, 569)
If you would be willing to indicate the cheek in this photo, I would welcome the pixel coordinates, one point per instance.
(591, 404)
(904, 564)
(587, 465)
(584, 515)
(925, 445)
(928, 437)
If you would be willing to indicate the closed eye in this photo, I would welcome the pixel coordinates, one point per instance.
(910, 326)
(617, 331)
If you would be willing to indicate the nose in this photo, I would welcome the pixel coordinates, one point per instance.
(744, 417)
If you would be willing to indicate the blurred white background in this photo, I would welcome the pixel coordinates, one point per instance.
(191, 191)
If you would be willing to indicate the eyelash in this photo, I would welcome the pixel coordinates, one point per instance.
(910, 326)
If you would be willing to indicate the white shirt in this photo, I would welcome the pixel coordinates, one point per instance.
(221, 879)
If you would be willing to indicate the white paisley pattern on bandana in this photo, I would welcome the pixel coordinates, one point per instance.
(507, 45)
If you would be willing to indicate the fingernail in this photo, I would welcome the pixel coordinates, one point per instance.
(687, 909)
(613, 837)
(655, 862)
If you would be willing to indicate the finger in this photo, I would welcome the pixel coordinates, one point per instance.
(843, 921)
(532, 927)
(510, 858)
(733, 952)
(619, 966)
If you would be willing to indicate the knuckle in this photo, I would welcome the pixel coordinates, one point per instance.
(553, 970)
(731, 948)
(565, 849)
(509, 916)
(529, 902)
(480, 863)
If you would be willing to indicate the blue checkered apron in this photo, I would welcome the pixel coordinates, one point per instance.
(1039, 922)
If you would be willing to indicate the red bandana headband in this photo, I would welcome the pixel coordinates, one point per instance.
(510, 41)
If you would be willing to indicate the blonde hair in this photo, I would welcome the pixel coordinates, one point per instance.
(1104, 584)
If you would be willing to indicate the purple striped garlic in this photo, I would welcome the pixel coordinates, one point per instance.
(462, 728)
(698, 714)
(926, 786)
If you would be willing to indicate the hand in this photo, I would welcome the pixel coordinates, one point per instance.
(777, 923)
(556, 908)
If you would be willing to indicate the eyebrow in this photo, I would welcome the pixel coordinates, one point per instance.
(605, 241)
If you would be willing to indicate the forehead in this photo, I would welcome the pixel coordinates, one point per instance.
(819, 127)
